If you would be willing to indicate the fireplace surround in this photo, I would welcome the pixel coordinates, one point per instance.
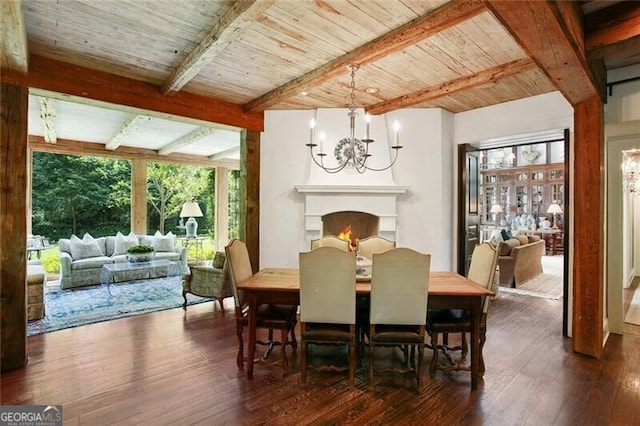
(377, 201)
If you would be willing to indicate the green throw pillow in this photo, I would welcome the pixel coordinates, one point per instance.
(218, 259)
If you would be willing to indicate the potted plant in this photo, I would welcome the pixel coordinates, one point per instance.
(140, 253)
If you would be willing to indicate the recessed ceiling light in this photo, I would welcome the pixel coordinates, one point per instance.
(304, 93)
(372, 90)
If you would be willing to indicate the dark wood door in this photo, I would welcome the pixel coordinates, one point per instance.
(468, 205)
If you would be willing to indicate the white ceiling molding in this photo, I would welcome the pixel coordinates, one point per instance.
(129, 126)
(191, 137)
(48, 115)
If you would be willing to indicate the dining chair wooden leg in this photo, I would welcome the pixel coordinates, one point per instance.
(371, 359)
(465, 346)
(352, 357)
(434, 361)
(283, 352)
(483, 339)
(418, 367)
(240, 358)
(294, 341)
(303, 355)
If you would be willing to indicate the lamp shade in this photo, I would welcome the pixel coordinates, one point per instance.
(496, 208)
(191, 209)
(554, 208)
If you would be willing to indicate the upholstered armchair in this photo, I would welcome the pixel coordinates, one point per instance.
(208, 281)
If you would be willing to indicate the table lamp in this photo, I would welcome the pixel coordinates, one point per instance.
(191, 209)
(497, 209)
(554, 209)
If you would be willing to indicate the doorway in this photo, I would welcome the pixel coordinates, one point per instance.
(517, 186)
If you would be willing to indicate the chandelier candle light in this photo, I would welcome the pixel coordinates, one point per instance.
(350, 151)
(631, 171)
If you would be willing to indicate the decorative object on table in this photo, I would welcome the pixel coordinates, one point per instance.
(554, 209)
(545, 224)
(352, 152)
(191, 209)
(363, 267)
(140, 253)
(631, 171)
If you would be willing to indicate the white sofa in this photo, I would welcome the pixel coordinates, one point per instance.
(81, 261)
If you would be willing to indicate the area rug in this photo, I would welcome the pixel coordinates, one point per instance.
(546, 286)
(633, 314)
(87, 305)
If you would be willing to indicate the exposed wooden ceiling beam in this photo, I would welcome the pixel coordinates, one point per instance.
(541, 30)
(419, 29)
(612, 25)
(225, 31)
(191, 137)
(129, 126)
(48, 115)
(57, 76)
(447, 88)
(224, 154)
(66, 146)
(614, 30)
(14, 54)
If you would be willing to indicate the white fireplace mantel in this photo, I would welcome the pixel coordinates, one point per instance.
(377, 200)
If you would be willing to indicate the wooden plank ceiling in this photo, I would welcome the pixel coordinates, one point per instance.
(282, 54)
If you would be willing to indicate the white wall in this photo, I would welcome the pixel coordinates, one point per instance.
(534, 114)
(425, 165)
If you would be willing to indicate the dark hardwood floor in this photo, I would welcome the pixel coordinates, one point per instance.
(175, 368)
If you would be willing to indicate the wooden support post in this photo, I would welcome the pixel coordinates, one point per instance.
(222, 208)
(588, 229)
(250, 194)
(14, 106)
(139, 196)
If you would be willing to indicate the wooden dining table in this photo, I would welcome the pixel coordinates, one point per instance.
(447, 290)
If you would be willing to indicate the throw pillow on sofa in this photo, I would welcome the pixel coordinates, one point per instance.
(163, 242)
(218, 259)
(84, 248)
(122, 243)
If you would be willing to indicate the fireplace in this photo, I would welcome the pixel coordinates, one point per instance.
(350, 225)
(370, 210)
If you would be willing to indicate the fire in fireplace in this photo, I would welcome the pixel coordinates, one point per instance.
(350, 225)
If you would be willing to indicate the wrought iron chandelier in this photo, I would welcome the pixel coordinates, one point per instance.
(352, 152)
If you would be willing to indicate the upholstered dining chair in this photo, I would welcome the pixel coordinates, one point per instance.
(327, 306)
(270, 317)
(330, 241)
(482, 271)
(369, 246)
(399, 293)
